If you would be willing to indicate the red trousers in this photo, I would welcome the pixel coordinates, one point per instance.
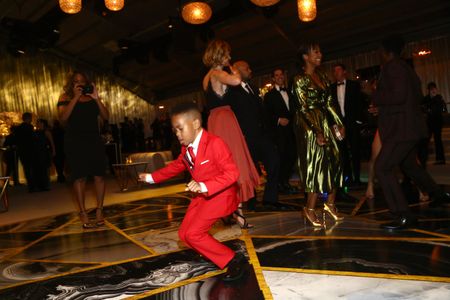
(194, 232)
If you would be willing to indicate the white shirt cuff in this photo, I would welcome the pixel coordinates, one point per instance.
(203, 188)
(149, 178)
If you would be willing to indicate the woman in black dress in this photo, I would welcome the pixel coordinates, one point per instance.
(79, 108)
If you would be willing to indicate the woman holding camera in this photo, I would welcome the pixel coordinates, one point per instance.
(318, 129)
(79, 108)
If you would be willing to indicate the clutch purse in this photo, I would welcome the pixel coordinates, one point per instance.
(337, 133)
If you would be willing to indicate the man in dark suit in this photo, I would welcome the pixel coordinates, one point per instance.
(349, 99)
(401, 126)
(249, 111)
(279, 106)
(24, 141)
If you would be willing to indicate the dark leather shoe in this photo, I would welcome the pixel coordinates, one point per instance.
(400, 223)
(236, 268)
(440, 199)
(342, 196)
(279, 206)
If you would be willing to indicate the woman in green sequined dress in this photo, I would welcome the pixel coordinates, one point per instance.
(319, 160)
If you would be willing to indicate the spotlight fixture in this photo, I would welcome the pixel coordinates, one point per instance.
(265, 3)
(170, 23)
(196, 12)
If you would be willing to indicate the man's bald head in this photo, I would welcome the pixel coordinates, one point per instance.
(244, 69)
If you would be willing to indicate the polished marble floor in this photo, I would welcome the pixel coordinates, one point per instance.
(137, 255)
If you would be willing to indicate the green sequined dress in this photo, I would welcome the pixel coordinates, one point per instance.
(320, 166)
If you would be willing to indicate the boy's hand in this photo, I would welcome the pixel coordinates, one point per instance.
(143, 177)
(193, 186)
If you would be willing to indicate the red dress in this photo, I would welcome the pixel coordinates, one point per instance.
(223, 123)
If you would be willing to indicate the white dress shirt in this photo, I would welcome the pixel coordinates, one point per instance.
(247, 87)
(341, 96)
(284, 94)
(194, 146)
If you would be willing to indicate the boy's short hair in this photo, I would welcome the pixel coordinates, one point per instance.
(186, 108)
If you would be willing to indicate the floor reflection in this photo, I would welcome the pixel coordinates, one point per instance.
(55, 258)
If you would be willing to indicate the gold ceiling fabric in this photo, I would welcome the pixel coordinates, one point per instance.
(320, 166)
(34, 84)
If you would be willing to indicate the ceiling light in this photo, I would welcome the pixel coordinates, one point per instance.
(306, 10)
(170, 24)
(70, 6)
(114, 5)
(196, 12)
(424, 52)
(265, 3)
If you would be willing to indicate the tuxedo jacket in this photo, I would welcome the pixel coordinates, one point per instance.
(249, 111)
(398, 98)
(353, 103)
(215, 167)
(276, 108)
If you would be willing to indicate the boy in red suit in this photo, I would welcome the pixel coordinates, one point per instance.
(214, 175)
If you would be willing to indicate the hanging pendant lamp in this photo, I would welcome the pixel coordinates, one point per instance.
(196, 12)
(265, 3)
(70, 6)
(307, 10)
(114, 5)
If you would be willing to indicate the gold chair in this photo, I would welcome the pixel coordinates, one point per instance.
(4, 183)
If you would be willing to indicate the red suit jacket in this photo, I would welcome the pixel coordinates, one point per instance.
(214, 166)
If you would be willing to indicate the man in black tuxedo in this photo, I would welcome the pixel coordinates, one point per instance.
(249, 111)
(279, 106)
(349, 99)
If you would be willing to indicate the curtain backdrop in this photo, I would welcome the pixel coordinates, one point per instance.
(34, 84)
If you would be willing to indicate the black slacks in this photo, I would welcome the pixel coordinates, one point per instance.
(287, 153)
(350, 149)
(403, 155)
(263, 149)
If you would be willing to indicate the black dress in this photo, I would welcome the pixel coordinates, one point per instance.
(83, 146)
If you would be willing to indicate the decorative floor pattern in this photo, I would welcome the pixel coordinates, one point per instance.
(138, 255)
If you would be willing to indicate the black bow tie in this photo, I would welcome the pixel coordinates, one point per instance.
(340, 83)
(283, 89)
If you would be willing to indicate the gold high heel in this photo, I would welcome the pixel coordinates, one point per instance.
(316, 222)
(86, 223)
(331, 209)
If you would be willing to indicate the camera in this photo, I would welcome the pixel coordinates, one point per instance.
(88, 89)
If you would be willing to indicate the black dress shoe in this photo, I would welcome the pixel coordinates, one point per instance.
(342, 196)
(400, 223)
(236, 268)
(439, 199)
(276, 206)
